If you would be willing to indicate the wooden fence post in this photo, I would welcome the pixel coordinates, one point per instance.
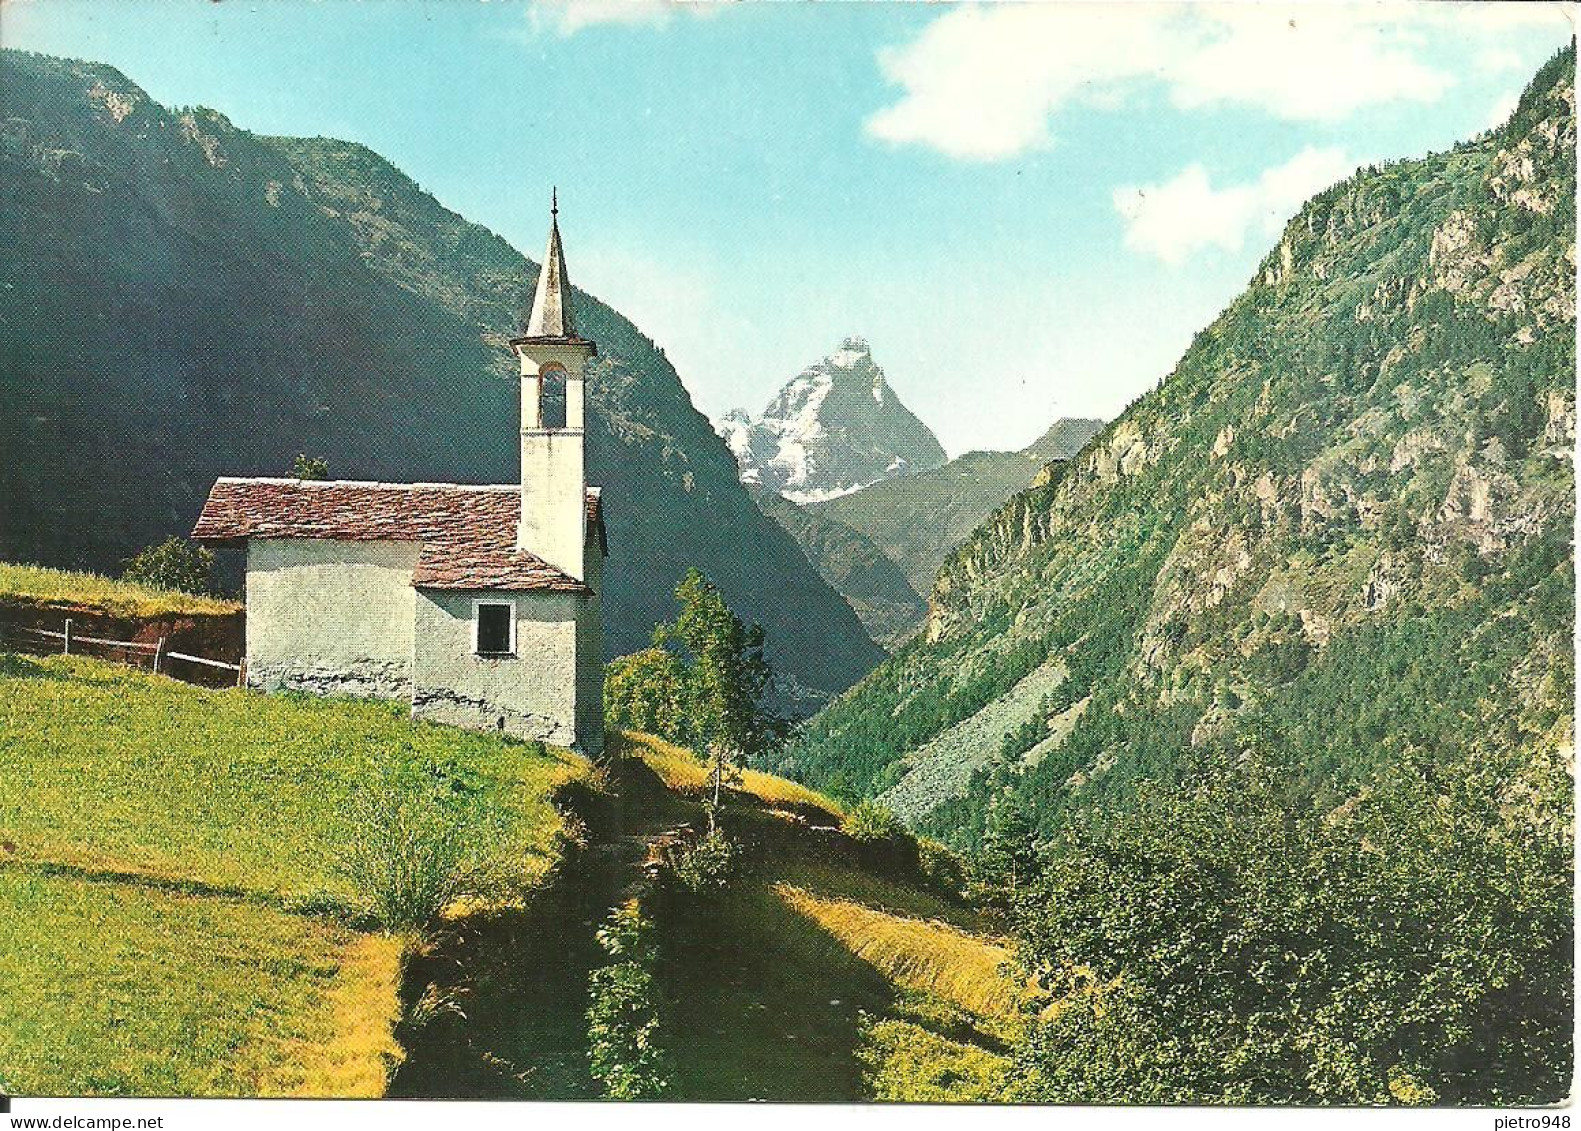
(65, 648)
(241, 672)
(159, 650)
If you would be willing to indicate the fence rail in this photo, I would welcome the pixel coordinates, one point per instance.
(157, 650)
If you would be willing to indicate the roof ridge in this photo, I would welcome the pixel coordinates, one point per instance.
(377, 484)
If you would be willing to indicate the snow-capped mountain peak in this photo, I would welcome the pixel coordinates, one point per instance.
(834, 428)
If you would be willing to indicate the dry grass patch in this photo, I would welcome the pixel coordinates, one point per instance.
(929, 956)
(364, 1006)
(684, 772)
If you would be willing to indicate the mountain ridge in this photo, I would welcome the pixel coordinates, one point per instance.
(1339, 529)
(954, 498)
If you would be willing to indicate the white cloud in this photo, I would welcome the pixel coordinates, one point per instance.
(1187, 214)
(1498, 60)
(981, 83)
(567, 17)
(1314, 63)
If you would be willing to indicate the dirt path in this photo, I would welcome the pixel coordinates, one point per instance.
(496, 1006)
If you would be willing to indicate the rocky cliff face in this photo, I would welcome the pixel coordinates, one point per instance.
(181, 299)
(834, 428)
(1340, 527)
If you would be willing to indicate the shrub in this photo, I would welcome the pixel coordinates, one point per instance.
(705, 865)
(309, 467)
(623, 1013)
(941, 869)
(647, 691)
(173, 564)
(870, 823)
(413, 849)
(1227, 943)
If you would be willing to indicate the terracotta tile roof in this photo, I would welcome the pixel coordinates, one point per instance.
(468, 534)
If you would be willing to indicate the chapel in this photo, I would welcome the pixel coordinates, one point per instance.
(479, 604)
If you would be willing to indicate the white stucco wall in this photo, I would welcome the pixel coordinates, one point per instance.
(554, 498)
(531, 694)
(330, 616)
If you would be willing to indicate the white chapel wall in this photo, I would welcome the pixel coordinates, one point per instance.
(330, 616)
(530, 695)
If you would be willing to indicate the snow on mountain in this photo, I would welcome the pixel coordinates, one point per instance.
(834, 428)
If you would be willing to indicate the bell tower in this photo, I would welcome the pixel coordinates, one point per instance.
(553, 373)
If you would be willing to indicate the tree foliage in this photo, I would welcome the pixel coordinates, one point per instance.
(702, 684)
(175, 564)
(309, 467)
(647, 691)
(728, 673)
(1229, 943)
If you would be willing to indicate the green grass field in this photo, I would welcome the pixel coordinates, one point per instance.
(117, 598)
(172, 917)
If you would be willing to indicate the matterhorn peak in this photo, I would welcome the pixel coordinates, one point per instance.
(834, 428)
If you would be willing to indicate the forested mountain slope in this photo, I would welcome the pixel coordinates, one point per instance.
(871, 583)
(918, 519)
(181, 299)
(1340, 530)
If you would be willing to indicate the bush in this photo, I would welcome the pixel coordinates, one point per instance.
(871, 823)
(173, 564)
(941, 869)
(705, 865)
(309, 467)
(413, 849)
(623, 1013)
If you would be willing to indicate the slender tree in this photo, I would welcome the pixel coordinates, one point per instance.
(728, 675)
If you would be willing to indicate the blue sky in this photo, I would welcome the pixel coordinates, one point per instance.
(1027, 209)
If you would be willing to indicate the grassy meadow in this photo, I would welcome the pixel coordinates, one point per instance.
(174, 918)
(42, 585)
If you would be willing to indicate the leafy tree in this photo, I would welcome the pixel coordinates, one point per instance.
(1228, 943)
(1007, 857)
(309, 467)
(727, 677)
(648, 691)
(173, 564)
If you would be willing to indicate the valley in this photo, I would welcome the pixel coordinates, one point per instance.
(1220, 753)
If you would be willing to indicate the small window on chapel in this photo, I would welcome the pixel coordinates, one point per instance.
(495, 628)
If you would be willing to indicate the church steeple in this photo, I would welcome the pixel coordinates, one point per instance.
(554, 361)
(551, 316)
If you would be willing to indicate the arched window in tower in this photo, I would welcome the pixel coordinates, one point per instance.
(551, 397)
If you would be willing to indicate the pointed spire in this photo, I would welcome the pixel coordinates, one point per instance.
(551, 302)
